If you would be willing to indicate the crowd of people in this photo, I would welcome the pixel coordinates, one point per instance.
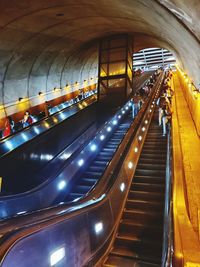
(143, 93)
(164, 103)
(9, 126)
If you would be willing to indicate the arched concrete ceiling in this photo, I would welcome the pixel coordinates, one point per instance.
(41, 41)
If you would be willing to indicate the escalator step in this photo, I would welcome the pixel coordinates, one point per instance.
(88, 181)
(147, 160)
(100, 162)
(147, 166)
(156, 173)
(94, 168)
(149, 179)
(141, 230)
(137, 204)
(143, 217)
(92, 174)
(120, 258)
(142, 248)
(142, 195)
(81, 189)
(148, 187)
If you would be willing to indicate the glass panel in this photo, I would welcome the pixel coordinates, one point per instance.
(117, 54)
(117, 68)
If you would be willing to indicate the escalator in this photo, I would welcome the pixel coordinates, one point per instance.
(140, 234)
(80, 234)
(98, 165)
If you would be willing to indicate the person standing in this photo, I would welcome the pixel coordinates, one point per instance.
(7, 127)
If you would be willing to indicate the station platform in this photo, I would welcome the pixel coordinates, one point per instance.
(190, 147)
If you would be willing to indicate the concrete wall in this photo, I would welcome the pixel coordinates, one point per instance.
(192, 97)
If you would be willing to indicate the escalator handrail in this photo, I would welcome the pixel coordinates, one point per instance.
(167, 249)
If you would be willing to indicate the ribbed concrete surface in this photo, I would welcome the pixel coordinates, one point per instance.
(190, 145)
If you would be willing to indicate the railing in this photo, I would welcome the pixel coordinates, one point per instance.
(84, 228)
(167, 253)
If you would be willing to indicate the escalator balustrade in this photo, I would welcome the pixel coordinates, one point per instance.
(139, 238)
(97, 167)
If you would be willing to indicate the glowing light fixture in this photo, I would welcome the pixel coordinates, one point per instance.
(136, 149)
(93, 147)
(130, 165)
(102, 137)
(114, 122)
(143, 129)
(146, 121)
(61, 185)
(119, 116)
(140, 137)
(122, 187)
(109, 129)
(57, 256)
(98, 227)
(80, 162)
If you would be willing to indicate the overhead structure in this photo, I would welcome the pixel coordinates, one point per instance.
(152, 58)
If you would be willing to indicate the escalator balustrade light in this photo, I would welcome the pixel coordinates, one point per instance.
(55, 120)
(122, 187)
(123, 111)
(119, 116)
(151, 106)
(98, 227)
(150, 110)
(93, 147)
(80, 162)
(129, 104)
(114, 122)
(65, 156)
(57, 256)
(62, 116)
(143, 129)
(146, 121)
(61, 185)
(140, 137)
(36, 130)
(136, 149)
(153, 102)
(130, 165)
(24, 136)
(21, 212)
(109, 129)
(126, 108)
(102, 137)
(46, 124)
